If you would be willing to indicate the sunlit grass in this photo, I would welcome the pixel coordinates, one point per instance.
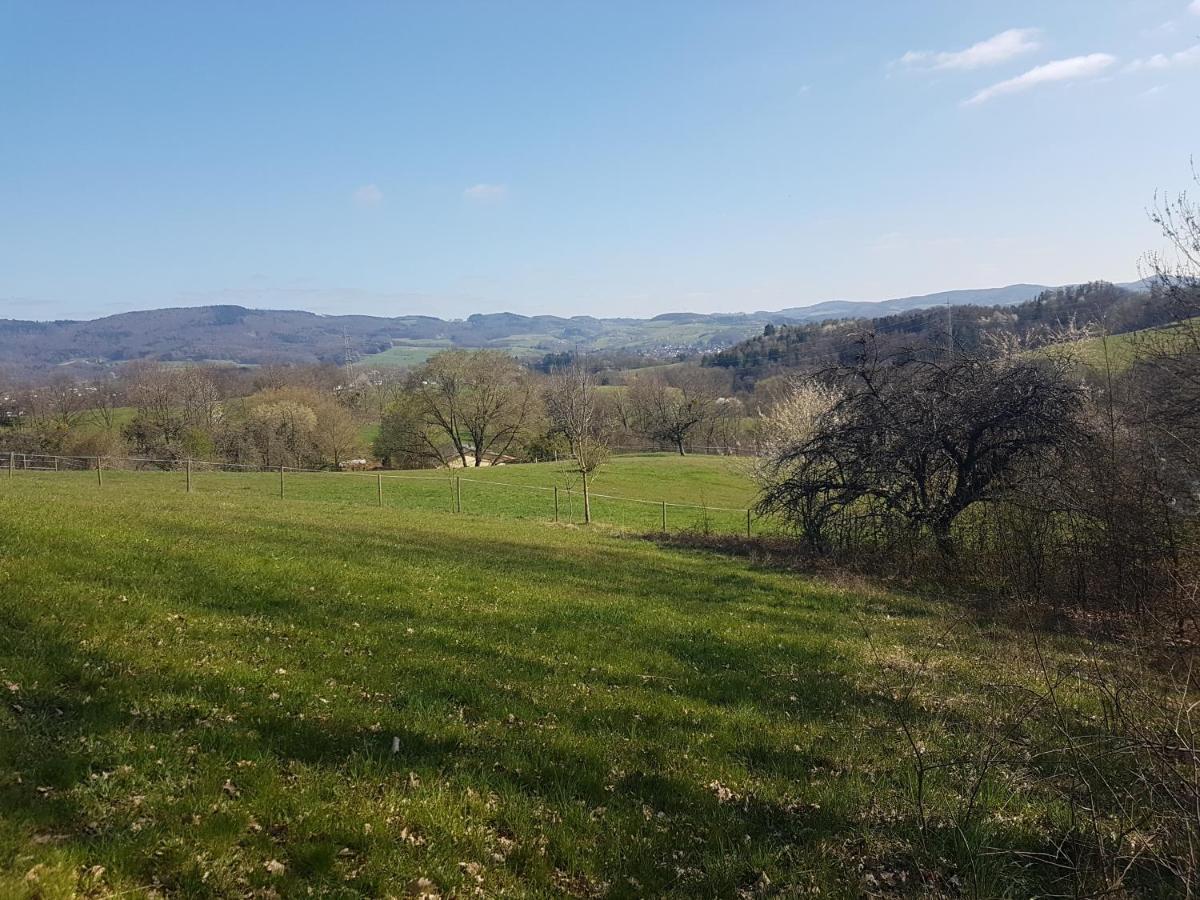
(201, 695)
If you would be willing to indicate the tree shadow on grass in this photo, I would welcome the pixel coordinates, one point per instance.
(69, 729)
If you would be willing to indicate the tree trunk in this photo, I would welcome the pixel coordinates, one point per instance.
(587, 503)
(679, 445)
(945, 543)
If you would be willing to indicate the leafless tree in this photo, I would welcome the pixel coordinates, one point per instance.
(63, 402)
(670, 409)
(575, 411)
(481, 402)
(104, 398)
(1170, 356)
(920, 440)
(177, 410)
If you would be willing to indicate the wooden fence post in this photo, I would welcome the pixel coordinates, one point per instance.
(282, 490)
(12, 462)
(379, 488)
(747, 523)
(56, 464)
(457, 494)
(189, 475)
(556, 504)
(99, 471)
(664, 516)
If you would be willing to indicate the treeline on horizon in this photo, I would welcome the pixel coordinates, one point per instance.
(1047, 318)
(322, 415)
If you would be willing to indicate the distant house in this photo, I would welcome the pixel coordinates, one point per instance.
(488, 459)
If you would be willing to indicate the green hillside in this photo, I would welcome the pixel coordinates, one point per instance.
(1120, 350)
(202, 694)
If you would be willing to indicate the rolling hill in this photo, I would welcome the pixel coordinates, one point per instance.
(1117, 308)
(252, 337)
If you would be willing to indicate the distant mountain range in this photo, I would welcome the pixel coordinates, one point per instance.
(235, 334)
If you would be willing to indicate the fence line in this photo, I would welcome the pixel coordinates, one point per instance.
(191, 467)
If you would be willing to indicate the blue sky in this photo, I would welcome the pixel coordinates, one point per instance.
(618, 158)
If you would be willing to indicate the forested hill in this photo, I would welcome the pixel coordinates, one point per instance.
(814, 345)
(257, 336)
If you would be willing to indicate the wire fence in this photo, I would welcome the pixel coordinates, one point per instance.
(432, 490)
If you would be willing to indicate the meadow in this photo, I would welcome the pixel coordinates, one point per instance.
(700, 493)
(226, 693)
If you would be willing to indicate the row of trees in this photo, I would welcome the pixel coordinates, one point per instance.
(813, 346)
(472, 408)
(461, 408)
(282, 417)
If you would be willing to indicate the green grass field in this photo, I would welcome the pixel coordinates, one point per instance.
(1120, 351)
(702, 493)
(201, 695)
(406, 353)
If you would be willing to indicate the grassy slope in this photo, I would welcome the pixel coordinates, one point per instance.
(715, 480)
(201, 692)
(1120, 351)
(406, 353)
(1117, 350)
(699, 489)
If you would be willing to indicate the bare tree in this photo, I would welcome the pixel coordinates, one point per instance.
(671, 409)
(104, 395)
(480, 401)
(919, 441)
(178, 410)
(1170, 356)
(575, 411)
(337, 436)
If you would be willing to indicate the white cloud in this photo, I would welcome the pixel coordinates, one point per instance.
(1160, 61)
(1195, 7)
(367, 196)
(486, 193)
(1060, 70)
(1000, 48)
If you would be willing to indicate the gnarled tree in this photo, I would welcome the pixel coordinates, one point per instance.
(920, 440)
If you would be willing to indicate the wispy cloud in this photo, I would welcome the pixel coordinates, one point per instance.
(1072, 69)
(997, 49)
(1160, 61)
(486, 193)
(367, 196)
